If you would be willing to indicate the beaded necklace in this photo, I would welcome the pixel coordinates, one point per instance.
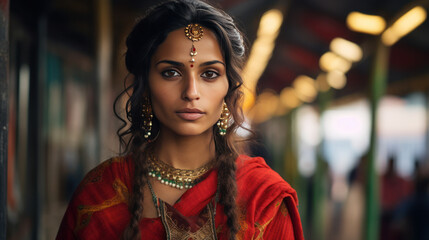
(176, 177)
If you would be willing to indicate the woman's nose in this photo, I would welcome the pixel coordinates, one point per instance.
(191, 89)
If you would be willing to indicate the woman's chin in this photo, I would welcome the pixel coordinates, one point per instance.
(192, 132)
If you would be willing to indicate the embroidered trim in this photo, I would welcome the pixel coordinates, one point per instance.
(85, 212)
(176, 229)
(261, 228)
(242, 212)
(283, 209)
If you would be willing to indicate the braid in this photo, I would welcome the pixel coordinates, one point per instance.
(226, 155)
(228, 190)
(132, 231)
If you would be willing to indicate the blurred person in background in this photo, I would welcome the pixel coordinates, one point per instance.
(394, 189)
(410, 218)
(181, 175)
(351, 223)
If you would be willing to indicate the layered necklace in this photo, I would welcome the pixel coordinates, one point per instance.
(175, 177)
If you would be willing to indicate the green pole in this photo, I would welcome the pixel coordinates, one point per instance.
(377, 89)
(319, 179)
(290, 167)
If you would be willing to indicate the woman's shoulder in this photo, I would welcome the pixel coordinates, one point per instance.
(263, 195)
(256, 169)
(256, 179)
(105, 190)
(110, 174)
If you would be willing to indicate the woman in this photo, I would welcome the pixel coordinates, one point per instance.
(181, 176)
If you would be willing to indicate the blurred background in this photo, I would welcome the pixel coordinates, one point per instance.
(336, 90)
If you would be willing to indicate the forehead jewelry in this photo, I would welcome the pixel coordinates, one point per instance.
(194, 32)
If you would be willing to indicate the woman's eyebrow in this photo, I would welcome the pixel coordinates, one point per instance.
(174, 63)
(211, 63)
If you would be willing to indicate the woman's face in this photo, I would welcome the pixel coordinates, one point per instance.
(186, 96)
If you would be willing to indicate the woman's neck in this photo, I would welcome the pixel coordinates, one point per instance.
(185, 152)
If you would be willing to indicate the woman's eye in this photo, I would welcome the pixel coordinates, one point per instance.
(170, 73)
(210, 74)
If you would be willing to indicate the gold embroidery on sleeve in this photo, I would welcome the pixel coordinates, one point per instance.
(242, 221)
(283, 209)
(261, 228)
(85, 212)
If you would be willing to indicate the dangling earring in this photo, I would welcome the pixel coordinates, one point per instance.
(223, 120)
(147, 117)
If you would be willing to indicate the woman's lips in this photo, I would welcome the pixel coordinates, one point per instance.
(190, 114)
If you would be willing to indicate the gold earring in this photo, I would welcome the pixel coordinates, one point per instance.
(147, 117)
(223, 120)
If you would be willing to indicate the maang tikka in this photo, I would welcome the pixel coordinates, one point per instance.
(147, 117)
(223, 120)
(194, 32)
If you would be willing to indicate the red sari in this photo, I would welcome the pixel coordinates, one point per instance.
(99, 208)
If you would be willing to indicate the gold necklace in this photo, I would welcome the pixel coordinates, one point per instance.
(175, 177)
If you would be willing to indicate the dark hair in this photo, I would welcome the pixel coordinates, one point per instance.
(149, 32)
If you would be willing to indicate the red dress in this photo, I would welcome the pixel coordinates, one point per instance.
(267, 204)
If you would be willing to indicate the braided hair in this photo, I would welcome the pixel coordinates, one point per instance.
(148, 33)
